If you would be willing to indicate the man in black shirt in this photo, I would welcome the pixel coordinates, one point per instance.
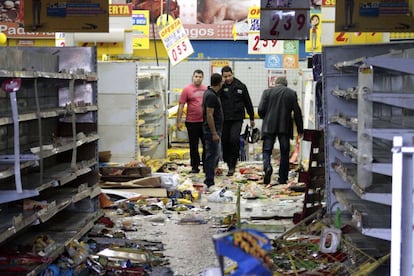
(212, 127)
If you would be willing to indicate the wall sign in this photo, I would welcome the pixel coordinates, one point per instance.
(140, 29)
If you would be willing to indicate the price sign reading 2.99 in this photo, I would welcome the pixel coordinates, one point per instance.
(284, 24)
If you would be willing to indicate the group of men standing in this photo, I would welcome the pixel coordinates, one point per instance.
(215, 115)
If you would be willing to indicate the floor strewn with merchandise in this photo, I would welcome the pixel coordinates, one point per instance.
(185, 223)
(159, 219)
(168, 223)
(183, 228)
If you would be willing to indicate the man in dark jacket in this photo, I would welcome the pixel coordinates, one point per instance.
(236, 101)
(275, 108)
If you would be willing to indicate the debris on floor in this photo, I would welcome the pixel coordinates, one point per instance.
(158, 224)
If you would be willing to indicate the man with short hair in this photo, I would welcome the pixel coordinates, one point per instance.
(236, 101)
(212, 127)
(275, 108)
(192, 95)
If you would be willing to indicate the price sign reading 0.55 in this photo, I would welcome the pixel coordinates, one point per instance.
(264, 46)
(180, 51)
(284, 24)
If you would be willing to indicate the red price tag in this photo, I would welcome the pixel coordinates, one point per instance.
(284, 24)
(264, 46)
(180, 51)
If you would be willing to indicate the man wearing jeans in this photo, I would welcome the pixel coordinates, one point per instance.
(212, 127)
(275, 108)
(192, 95)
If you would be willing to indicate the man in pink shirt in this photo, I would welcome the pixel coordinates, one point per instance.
(192, 95)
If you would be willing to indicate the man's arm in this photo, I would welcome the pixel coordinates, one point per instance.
(179, 115)
(262, 108)
(211, 125)
(249, 106)
(297, 113)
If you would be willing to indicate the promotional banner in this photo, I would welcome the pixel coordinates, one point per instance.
(374, 16)
(176, 42)
(69, 16)
(12, 23)
(140, 29)
(207, 19)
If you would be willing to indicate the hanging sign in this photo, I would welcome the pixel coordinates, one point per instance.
(176, 42)
(284, 19)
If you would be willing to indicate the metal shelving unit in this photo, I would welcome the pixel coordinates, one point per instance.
(136, 125)
(369, 94)
(152, 107)
(49, 146)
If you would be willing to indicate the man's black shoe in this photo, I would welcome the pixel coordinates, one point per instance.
(230, 172)
(268, 175)
(194, 171)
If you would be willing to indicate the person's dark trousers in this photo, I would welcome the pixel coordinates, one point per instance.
(284, 146)
(230, 140)
(195, 134)
(212, 155)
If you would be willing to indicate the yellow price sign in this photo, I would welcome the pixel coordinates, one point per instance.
(346, 38)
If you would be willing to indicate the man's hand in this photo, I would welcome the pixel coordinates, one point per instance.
(179, 125)
(216, 138)
(252, 123)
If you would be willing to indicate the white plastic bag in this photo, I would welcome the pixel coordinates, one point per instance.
(169, 181)
(221, 195)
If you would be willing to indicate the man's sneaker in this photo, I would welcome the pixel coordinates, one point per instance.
(230, 172)
(268, 175)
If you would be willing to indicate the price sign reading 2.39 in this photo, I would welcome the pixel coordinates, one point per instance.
(264, 46)
(288, 21)
(284, 24)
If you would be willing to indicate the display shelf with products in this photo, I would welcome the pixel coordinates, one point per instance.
(135, 126)
(49, 142)
(369, 93)
(152, 115)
